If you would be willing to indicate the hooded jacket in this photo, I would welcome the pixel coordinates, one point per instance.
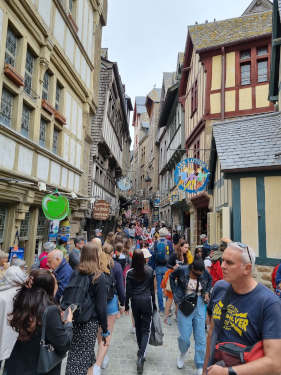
(9, 286)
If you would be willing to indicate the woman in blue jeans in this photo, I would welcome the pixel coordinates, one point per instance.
(184, 282)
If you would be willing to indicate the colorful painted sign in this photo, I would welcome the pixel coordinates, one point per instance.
(55, 206)
(124, 184)
(191, 175)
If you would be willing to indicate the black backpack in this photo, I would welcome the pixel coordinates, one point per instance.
(77, 292)
(110, 285)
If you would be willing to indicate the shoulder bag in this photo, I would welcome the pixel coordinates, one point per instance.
(48, 357)
(189, 302)
(233, 353)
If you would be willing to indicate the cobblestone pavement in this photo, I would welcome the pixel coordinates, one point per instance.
(159, 360)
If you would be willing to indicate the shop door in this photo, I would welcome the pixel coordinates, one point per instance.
(202, 222)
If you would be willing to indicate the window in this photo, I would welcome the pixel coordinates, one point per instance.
(262, 51)
(245, 74)
(6, 107)
(24, 228)
(43, 129)
(58, 96)
(262, 71)
(42, 227)
(46, 82)
(29, 66)
(196, 152)
(194, 98)
(25, 120)
(245, 55)
(11, 47)
(3, 216)
(55, 140)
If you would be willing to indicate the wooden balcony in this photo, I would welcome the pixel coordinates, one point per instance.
(13, 75)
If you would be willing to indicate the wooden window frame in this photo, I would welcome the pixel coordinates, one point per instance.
(194, 98)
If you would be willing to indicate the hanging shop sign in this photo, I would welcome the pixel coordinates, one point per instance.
(101, 210)
(124, 184)
(191, 175)
(55, 206)
(53, 230)
(156, 202)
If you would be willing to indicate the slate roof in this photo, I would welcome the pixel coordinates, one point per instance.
(257, 6)
(249, 143)
(140, 104)
(219, 33)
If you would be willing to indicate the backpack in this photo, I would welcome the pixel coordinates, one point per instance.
(77, 292)
(273, 276)
(162, 251)
(110, 285)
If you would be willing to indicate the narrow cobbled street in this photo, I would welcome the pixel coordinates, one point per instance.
(159, 360)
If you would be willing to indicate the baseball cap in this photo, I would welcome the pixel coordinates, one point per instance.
(146, 253)
(202, 236)
(64, 238)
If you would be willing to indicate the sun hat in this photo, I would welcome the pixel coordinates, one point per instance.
(146, 253)
(163, 232)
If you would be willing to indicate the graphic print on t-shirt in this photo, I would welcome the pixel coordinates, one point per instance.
(234, 319)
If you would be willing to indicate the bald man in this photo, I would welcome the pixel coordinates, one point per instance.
(62, 270)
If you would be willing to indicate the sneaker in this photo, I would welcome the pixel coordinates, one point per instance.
(133, 330)
(96, 370)
(105, 362)
(162, 313)
(199, 371)
(140, 362)
(180, 360)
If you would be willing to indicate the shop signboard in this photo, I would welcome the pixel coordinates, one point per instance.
(55, 206)
(101, 210)
(156, 202)
(54, 230)
(124, 184)
(191, 175)
(16, 252)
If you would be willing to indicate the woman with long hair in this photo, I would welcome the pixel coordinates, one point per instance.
(110, 238)
(193, 281)
(31, 301)
(114, 276)
(182, 255)
(140, 291)
(81, 356)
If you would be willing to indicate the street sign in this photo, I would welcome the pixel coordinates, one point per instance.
(101, 210)
(191, 175)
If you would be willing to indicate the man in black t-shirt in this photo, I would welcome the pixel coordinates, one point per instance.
(253, 314)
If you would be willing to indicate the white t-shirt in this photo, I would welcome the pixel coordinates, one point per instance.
(191, 287)
(207, 262)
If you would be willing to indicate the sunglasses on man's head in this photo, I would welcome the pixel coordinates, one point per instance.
(244, 246)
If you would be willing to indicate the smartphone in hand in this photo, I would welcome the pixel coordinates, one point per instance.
(72, 308)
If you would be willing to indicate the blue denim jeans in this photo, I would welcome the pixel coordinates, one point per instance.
(195, 322)
(160, 272)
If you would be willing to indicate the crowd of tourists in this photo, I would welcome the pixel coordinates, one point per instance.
(67, 303)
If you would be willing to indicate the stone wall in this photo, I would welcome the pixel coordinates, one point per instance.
(263, 275)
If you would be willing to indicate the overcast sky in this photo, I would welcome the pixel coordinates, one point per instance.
(145, 36)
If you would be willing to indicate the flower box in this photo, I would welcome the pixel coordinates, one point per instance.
(48, 108)
(13, 75)
(60, 118)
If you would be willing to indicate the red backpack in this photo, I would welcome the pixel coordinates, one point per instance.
(273, 276)
(216, 272)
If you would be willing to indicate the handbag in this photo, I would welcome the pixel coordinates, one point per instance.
(189, 302)
(233, 353)
(48, 357)
(156, 334)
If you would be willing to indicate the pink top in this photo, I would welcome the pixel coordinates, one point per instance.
(43, 262)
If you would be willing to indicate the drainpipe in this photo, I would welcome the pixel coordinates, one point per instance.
(223, 84)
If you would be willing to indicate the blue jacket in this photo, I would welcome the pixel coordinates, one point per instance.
(62, 273)
(179, 281)
(153, 262)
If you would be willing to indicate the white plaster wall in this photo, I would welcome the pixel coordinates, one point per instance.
(76, 183)
(43, 168)
(78, 60)
(59, 28)
(67, 109)
(69, 46)
(7, 152)
(64, 174)
(44, 8)
(78, 155)
(74, 117)
(25, 160)
(79, 122)
(1, 22)
(70, 180)
(72, 151)
(80, 18)
(55, 173)
(66, 148)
